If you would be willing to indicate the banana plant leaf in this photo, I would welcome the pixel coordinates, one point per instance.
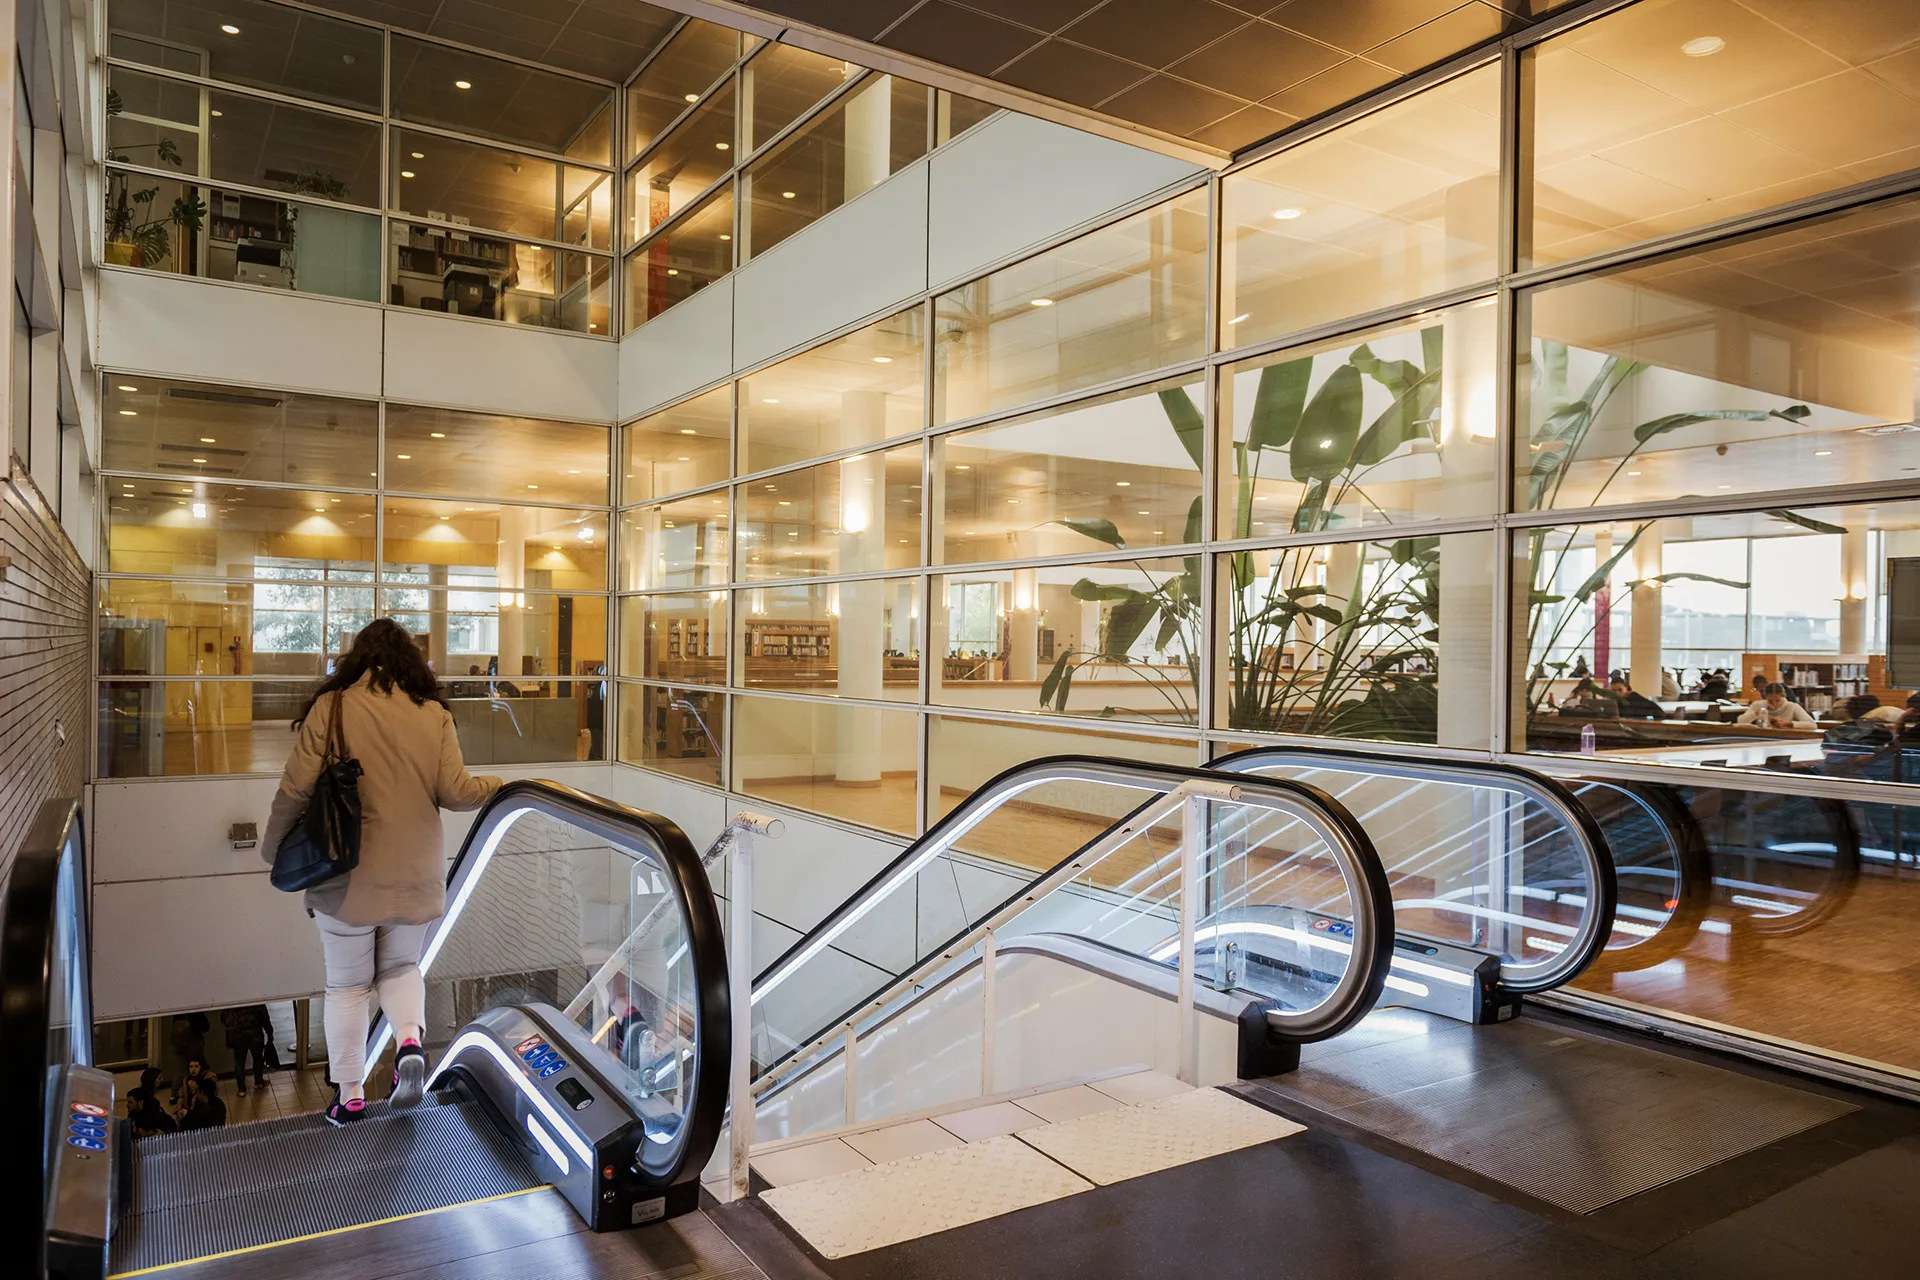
(1188, 425)
(1278, 401)
(1664, 578)
(1674, 421)
(1329, 429)
(1806, 522)
(1099, 530)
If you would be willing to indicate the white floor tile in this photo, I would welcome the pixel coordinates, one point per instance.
(897, 1142)
(1069, 1103)
(885, 1204)
(1127, 1142)
(802, 1164)
(992, 1121)
(1141, 1086)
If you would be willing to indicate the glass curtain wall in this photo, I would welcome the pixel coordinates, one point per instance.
(250, 534)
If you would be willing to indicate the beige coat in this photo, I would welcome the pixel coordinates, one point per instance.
(413, 769)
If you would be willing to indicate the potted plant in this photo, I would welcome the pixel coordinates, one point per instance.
(138, 234)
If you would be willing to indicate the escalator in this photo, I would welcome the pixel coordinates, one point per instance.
(552, 887)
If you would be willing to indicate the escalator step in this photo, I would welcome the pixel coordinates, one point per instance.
(216, 1191)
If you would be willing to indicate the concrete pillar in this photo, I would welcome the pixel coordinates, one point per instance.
(1023, 631)
(1644, 669)
(862, 606)
(437, 622)
(510, 566)
(1467, 460)
(1854, 580)
(869, 117)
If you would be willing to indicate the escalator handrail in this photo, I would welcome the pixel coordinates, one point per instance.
(664, 841)
(1693, 868)
(1359, 988)
(29, 906)
(1603, 896)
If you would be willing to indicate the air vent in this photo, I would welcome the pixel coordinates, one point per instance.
(188, 469)
(1889, 429)
(202, 450)
(223, 397)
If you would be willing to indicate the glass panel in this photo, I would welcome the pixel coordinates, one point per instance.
(962, 754)
(852, 516)
(223, 530)
(783, 82)
(161, 425)
(1344, 641)
(687, 161)
(179, 728)
(1401, 203)
(1660, 640)
(681, 637)
(1120, 471)
(530, 721)
(852, 639)
(467, 184)
(510, 548)
(681, 259)
(1673, 113)
(855, 390)
(288, 621)
(699, 54)
(682, 447)
(1127, 298)
(1394, 426)
(485, 455)
(481, 638)
(875, 131)
(955, 114)
(441, 269)
(1778, 360)
(509, 102)
(1119, 641)
(848, 762)
(674, 544)
(249, 42)
(676, 731)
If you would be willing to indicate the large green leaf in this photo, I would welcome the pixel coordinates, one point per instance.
(1674, 421)
(1329, 428)
(1125, 621)
(1088, 589)
(1099, 530)
(1664, 578)
(1277, 403)
(1188, 425)
(1408, 550)
(1057, 682)
(1806, 522)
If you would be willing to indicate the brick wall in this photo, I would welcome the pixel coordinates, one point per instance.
(45, 644)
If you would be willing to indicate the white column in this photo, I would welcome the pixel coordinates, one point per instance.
(862, 605)
(516, 525)
(869, 117)
(1854, 577)
(1024, 631)
(1467, 459)
(1644, 669)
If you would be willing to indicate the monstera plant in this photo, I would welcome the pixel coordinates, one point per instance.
(139, 233)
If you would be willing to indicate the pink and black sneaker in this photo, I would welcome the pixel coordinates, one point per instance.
(409, 1076)
(341, 1114)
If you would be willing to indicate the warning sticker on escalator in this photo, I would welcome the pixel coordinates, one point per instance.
(527, 1047)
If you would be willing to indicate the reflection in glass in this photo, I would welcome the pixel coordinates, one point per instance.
(188, 428)
(288, 620)
(199, 529)
(680, 74)
(681, 259)
(854, 763)
(1344, 641)
(1674, 113)
(674, 544)
(675, 731)
(964, 753)
(487, 455)
(856, 515)
(697, 154)
(182, 728)
(954, 114)
(680, 447)
(1118, 471)
(1128, 298)
(480, 635)
(467, 184)
(453, 271)
(782, 82)
(1395, 426)
(855, 390)
(287, 50)
(510, 102)
(522, 548)
(1635, 389)
(876, 130)
(851, 639)
(1398, 204)
(526, 720)
(1118, 641)
(675, 637)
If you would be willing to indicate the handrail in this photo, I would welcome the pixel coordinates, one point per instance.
(663, 843)
(54, 852)
(1692, 891)
(1353, 996)
(1596, 924)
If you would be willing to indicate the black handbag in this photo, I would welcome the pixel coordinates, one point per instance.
(325, 842)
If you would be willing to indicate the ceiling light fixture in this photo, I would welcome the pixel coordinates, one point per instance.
(125, 387)
(1822, 453)
(1703, 46)
(437, 435)
(723, 146)
(206, 440)
(1041, 302)
(687, 431)
(129, 413)
(726, 237)
(214, 113)
(1242, 316)
(769, 400)
(418, 155)
(1123, 484)
(199, 459)
(406, 173)
(883, 359)
(230, 29)
(786, 195)
(404, 457)
(1286, 215)
(693, 97)
(673, 271)
(463, 84)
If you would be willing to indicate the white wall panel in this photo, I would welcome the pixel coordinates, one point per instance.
(859, 259)
(498, 367)
(1016, 181)
(686, 347)
(152, 322)
(200, 943)
(701, 813)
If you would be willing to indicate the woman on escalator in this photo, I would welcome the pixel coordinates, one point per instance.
(373, 920)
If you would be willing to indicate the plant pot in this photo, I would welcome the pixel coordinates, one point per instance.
(120, 253)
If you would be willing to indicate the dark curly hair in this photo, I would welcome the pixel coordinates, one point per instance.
(385, 648)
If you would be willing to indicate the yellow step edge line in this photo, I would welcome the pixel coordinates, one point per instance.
(321, 1235)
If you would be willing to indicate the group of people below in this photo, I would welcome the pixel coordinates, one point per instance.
(1862, 720)
(196, 1102)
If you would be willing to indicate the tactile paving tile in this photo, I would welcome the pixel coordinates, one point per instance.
(1112, 1146)
(871, 1208)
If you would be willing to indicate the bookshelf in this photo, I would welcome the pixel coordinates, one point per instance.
(789, 641)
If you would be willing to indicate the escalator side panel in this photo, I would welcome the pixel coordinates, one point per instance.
(85, 1171)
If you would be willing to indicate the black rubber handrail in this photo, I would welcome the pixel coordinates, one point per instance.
(1693, 870)
(1603, 892)
(54, 851)
(663, 842)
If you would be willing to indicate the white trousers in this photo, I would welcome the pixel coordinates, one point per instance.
(361, 959)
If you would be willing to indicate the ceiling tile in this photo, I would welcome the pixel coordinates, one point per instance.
(959, 38)
(1442, 38)
(474, 15)
(1357, 25)
(531, 49)
(1171, 106)
(1154, 32)
(1244, 128)
(1255, 61)
(1066, 71)
(861, 19)
(1331, 88)
(595, 55)
(1857, 30)
(1045, 15)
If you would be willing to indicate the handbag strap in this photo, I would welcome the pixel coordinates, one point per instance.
(337, 731)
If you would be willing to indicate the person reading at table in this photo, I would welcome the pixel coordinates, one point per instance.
(1774, 711)
(1633, 706)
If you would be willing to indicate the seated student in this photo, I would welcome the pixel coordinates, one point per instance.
(207, 1111)
(1858, 730)
(1712, 686)
(1774, 711)
(1634, 706)
(1888, 716)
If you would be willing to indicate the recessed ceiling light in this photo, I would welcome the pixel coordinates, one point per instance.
(230, 29)
(883, 359)
(1703, 46)
(687, 431)
(723, 146)
(961, 466)
(206, 440)
(463, 84)
(769, 400)
(1143, 513)
(437, 435)
(1123, 484)
(1633, 473)
(673, 271)
(1013, 502)
(786, 195)
(533, 486)
(418, 155)
(125, 387)
(1724, 486)
(1042, 302)
(683, 459)
(199, 459)
(1242, 316)
(1822, 453)
(785, 503)
(406, 173)
(129, 413)
(404, 457)
(726, 237)
(215, 113)
(1286, 215)
(693, 97)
